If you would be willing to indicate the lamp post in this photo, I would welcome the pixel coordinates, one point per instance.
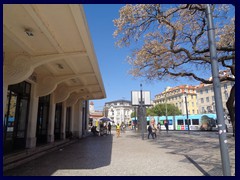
(185, 96)
(135, 119)
(141, 109)
(166, 103)
(213, 107)
(217, 93)
(166, 107)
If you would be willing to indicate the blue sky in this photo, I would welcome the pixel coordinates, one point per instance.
(112, 60)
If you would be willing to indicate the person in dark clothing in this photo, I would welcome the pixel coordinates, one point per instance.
(109, 128)
(150, 131)
(166, 125)
(94, 130)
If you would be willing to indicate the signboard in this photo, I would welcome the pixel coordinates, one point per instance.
(136, 98)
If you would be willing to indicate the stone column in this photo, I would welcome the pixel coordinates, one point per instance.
(72, 118)
(32, 118)
(77, 125)
(51, 121)
(63, 123)
(87, 117)
(83, 117)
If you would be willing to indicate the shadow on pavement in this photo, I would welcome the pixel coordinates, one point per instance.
(88, 153)
(199, 148)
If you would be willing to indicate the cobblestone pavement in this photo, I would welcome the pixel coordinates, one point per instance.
(173, 154)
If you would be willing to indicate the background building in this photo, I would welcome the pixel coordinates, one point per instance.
(200, 99)
(176, 96)
(94, 115)
(119, 111)
(205, 94)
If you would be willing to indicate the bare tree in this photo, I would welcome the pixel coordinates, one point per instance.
(173, 42)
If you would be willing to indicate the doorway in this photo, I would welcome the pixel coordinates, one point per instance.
(16, 117)
(42, 119)
(68, 120)
(58, 119)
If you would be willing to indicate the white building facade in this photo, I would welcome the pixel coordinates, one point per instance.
(50, 72)
(119, 111)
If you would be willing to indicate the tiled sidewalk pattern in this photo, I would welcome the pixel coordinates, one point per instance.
(172, 154)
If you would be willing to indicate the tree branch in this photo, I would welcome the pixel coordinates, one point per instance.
(184, 74)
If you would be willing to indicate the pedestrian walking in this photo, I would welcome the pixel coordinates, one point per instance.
(166, 125)
(118, 129)
(122, 127)
(154, 130)
(109, 128)
(150, 131)
(159, 127)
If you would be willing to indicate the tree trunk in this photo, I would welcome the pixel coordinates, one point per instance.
(231, 107)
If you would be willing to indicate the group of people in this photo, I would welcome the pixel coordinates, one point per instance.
(104, 129)
(152, 129)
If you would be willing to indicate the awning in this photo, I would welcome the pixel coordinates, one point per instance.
(50, 45)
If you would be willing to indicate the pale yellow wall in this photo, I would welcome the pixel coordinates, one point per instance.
(176, 98)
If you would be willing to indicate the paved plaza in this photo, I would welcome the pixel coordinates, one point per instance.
(174, 154)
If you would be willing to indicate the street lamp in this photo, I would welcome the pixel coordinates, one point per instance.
(213, 107)
(141, 110)
(134, 122)
(166, 107)
(217, 93)
(185, 96)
